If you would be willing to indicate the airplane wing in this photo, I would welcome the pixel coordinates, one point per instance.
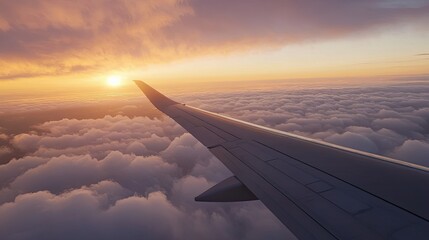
(318, 190)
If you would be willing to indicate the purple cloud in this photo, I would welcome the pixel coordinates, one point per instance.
(91, 177)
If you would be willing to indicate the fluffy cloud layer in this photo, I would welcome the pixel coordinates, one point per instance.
(57, 37)
(135, 177)
(120, 177)
(386, 120)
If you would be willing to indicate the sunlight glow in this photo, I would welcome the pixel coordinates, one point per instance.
(114, 81)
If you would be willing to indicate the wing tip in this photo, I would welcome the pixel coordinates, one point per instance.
(156, 98)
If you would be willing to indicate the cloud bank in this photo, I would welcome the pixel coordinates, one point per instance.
(135, 177)
(387, 120)
(120, 177)
(40, 38)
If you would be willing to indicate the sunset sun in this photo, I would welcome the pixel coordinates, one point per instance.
(114, 81)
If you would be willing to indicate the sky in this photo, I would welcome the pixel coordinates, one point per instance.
(58, 43)
(84, 155)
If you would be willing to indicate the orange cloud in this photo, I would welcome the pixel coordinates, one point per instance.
(62, 37)
(41, 37)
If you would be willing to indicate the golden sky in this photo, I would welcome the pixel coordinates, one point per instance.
(49, 44)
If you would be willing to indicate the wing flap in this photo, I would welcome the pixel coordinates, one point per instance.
(296, 220)
(207, 137)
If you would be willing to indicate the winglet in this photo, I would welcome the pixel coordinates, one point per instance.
(156, 98)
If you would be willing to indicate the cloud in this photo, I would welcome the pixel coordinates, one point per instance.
(86, 213)
(402, 4)
(54, 38)
(74, 35)
(373, 119)
(3, 137)
(5, 150)
(271, 21)
(414, 150)
(121, 171)
(115, 177)
(353, 140)
(79, 211)
(99, 136)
